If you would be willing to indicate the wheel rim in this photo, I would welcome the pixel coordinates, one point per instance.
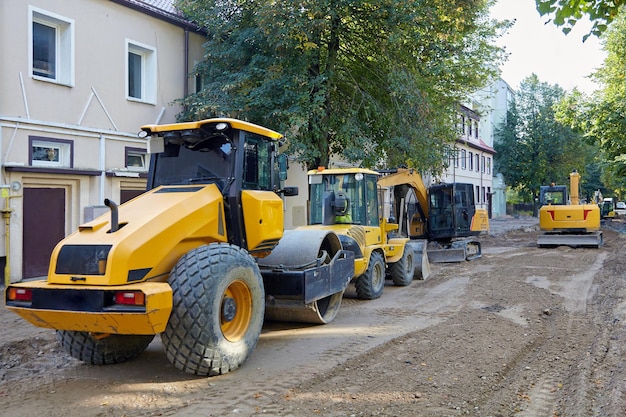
(235, 311)
(378, 278)
(409, 264)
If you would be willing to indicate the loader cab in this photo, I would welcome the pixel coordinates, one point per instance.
(451, 209)
(344, 197)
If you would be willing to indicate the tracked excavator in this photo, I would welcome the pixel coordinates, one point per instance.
(566, 221)
(200, 258)
(441, 220)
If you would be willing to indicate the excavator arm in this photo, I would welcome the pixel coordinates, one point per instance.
(410, 177)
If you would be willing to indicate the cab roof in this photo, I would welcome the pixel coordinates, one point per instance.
(233, 123)
(341, 171)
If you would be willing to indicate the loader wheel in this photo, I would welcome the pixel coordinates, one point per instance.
(217, 313)
(369, 286)
(402, 271)
(108, 350)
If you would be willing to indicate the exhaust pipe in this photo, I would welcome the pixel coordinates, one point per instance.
(115, 224)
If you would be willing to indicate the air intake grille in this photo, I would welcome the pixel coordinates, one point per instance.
(82, 259)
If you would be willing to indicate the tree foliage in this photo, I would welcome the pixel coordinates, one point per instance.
(359, 79)
(535, 149)
(601, 117)
(566, 13)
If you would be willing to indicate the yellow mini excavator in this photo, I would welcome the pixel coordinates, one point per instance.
(566, 221)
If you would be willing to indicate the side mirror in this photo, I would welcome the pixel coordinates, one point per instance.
(283, 165)
(290, 191)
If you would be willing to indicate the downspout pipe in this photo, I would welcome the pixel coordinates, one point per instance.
(186, 64)
(6, 213)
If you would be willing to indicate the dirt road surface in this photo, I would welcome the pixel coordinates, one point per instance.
(521, 331)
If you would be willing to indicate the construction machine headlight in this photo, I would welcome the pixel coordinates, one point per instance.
(221, 126)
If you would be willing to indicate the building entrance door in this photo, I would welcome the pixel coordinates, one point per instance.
(43, 227)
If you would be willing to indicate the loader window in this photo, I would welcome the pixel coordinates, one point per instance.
(257, 163)
(371, 202)
(324, 191)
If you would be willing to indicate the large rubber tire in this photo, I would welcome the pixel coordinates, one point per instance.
(108, 350)
(401, 272)
(370, 285)
(218, 310)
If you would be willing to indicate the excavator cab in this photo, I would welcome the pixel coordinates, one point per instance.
(451, 211)
(555, 195)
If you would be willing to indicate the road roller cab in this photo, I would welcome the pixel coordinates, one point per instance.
(198, 258)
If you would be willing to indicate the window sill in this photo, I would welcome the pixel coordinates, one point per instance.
(52, 81)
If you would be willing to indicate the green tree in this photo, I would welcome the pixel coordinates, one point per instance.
(533, 148)
(601, 117)
(363, 80)
(566, 13)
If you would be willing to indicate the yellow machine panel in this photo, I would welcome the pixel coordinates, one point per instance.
(149, 320)
(154, 232)
(480, 221)
(583, 217)
(263, 219)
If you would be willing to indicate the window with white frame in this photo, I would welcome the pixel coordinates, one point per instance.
(477, 162)
(141, 66)
(482, 165)
(488, 165)
(463, 161)
(471, 161)
(136, 159)
(51, 47)
(48, 152)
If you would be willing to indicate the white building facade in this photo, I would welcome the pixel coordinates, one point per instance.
(76, 85)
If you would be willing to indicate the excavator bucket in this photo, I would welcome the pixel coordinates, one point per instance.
(422, 265)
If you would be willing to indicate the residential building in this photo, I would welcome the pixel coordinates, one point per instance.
(77, 81)
(472, 158)
(494, 102)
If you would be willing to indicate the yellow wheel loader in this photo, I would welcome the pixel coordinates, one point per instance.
(346, 202)
(441, 220)
(198, 258)
(565, 221)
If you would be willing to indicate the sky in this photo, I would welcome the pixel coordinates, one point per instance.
(543, 49)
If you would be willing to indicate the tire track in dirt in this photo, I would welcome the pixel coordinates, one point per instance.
(385, 323)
